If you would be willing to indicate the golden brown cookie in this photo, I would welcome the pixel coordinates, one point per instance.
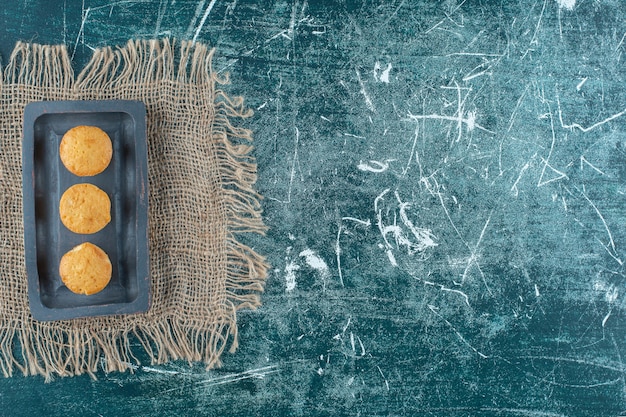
(85, 208)
(86, 150)
(86, 269)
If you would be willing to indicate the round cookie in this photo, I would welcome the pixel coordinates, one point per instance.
(86, 269)
(86, 150)
(85, 209)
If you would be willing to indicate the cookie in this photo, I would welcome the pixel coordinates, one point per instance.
(86, 150)
(86, 269)
(85, 209)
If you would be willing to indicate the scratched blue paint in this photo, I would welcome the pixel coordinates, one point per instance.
(468, 204)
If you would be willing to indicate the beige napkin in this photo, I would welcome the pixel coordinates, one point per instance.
(201, 178)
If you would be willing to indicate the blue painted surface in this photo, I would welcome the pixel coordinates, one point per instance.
(444, 184)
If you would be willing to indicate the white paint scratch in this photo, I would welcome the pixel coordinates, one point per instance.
(390, 256)
(382, 76)
(352, 343)
(162, 10)
(374, 166)
(80, 31)
(417, 241)
(621, 42)
(514, 188)
(345, 327)
(294, 162)
(192, 23)
(606, 318)
(424, 237)
(611, 294)
(446, 289)
(117, 3)
(469, 120)
(314, 261)
(290, 276)
(259, 373)
(366, 223)
(546, 162)
(566, 4)
(459, 335)
(517, 106)
(610, 291)
(352, 135)
(583, 129)
(360, 345)
(584, 161)
(535, 40)
(414, 152)
(368, 100)
(611, 250)
(383, 376)
(204, 18)
(475, 257)
(158, 371)
(64, 22)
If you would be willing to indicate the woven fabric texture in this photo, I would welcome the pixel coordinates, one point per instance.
(201, 177)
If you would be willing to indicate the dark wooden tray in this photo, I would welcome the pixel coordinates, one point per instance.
(124, 239)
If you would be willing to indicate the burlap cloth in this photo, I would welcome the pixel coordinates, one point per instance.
(201, 178)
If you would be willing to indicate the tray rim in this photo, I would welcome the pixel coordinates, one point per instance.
(32, 111)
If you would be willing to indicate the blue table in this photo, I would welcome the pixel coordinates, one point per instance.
(444, 185)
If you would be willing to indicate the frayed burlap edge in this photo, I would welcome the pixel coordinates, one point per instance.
(82, 346)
